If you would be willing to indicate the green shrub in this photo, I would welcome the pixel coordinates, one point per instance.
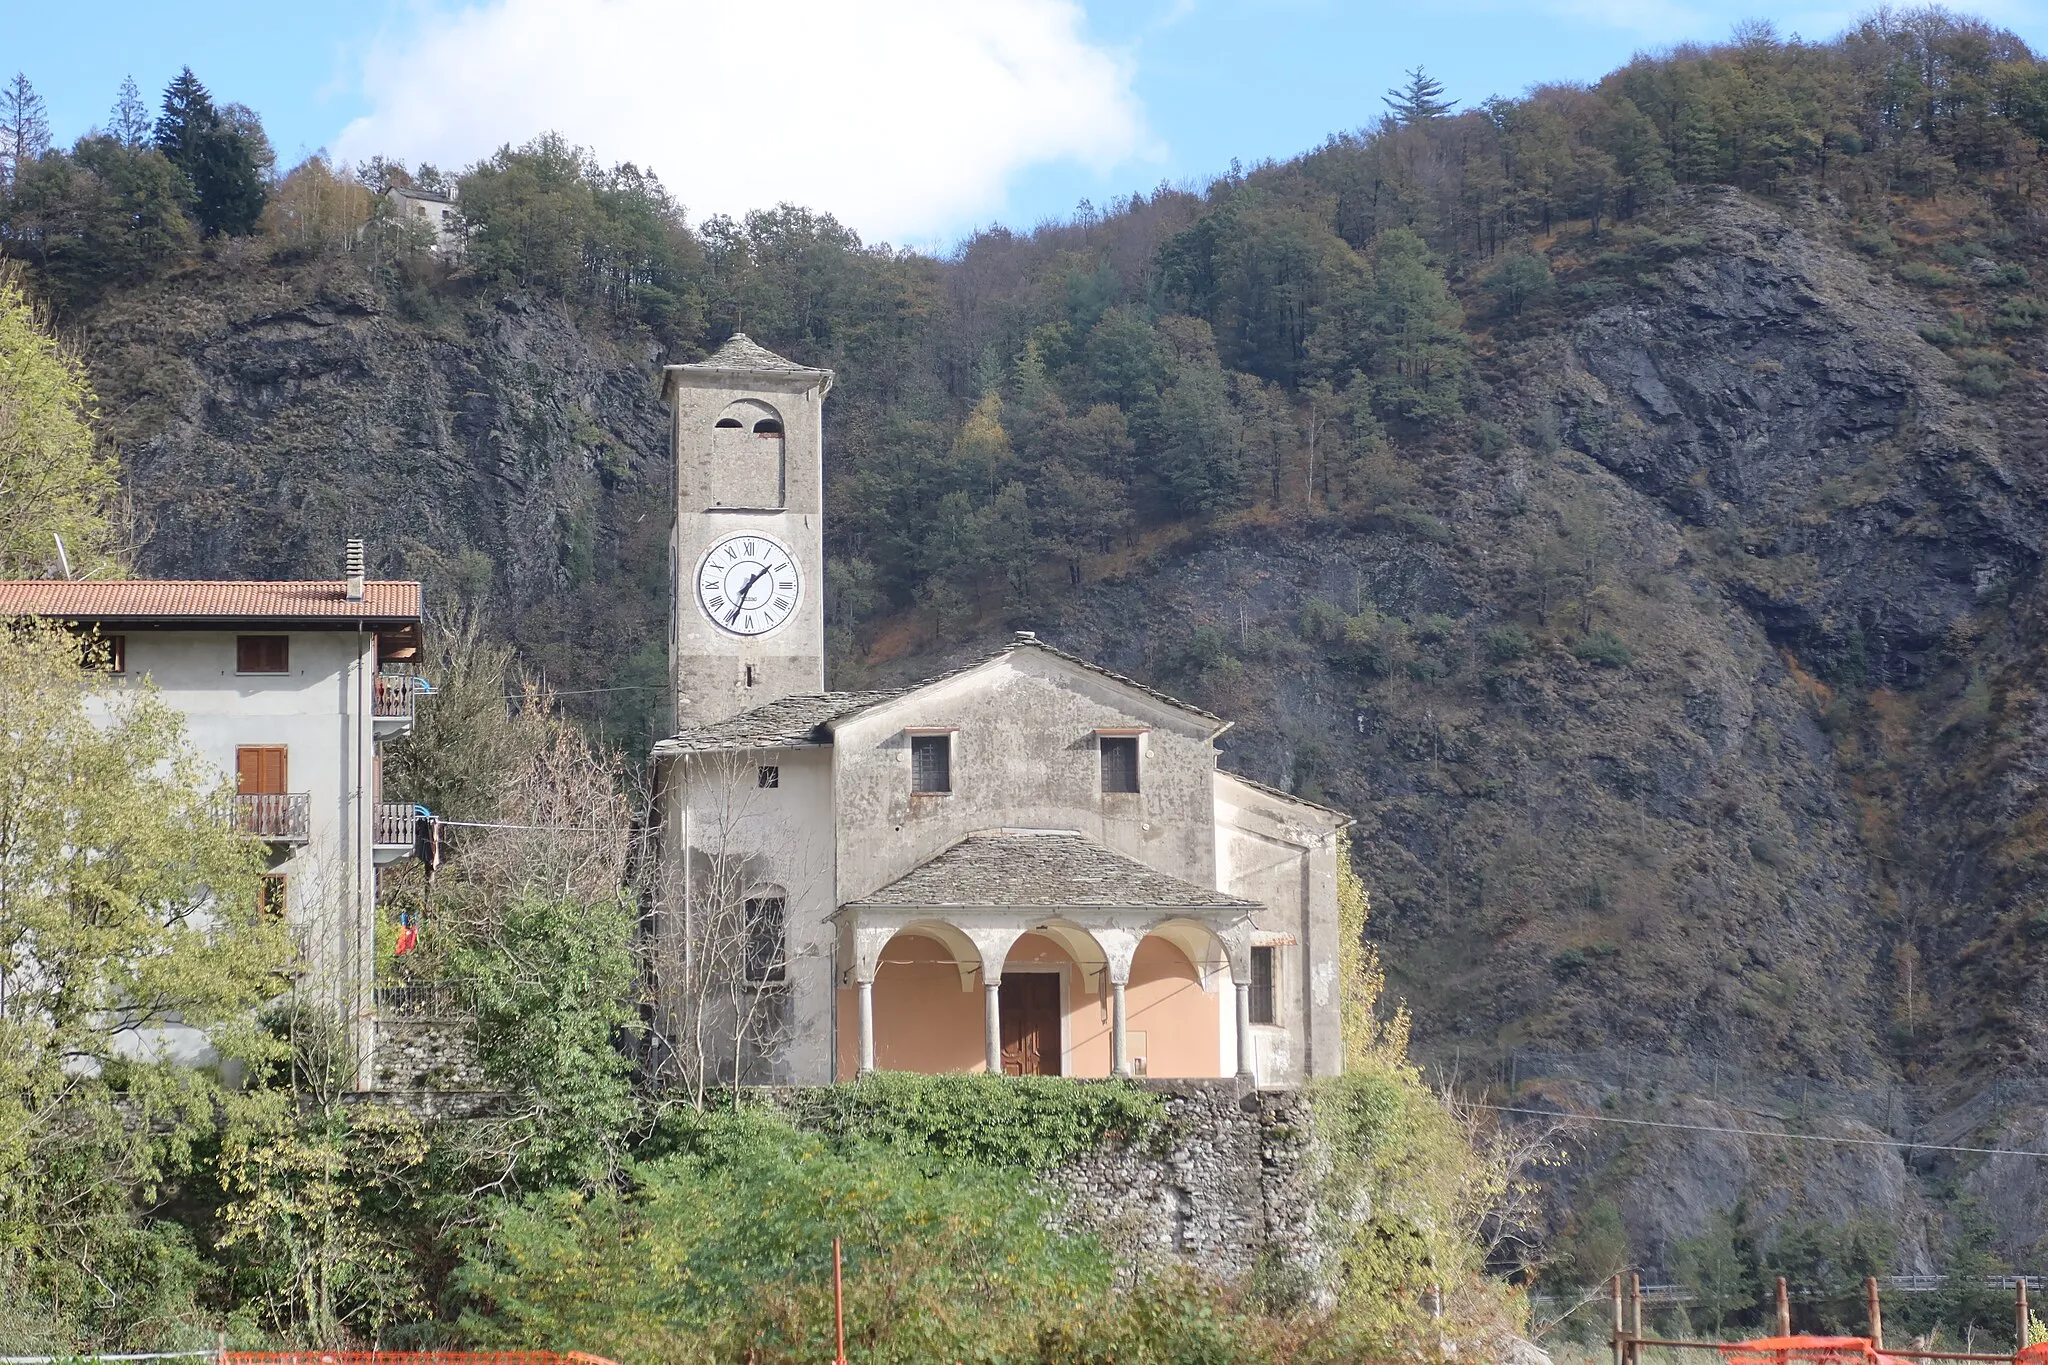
(1932, 276)
(1981, 381)
(1505, 644)
(2019, 313)
(1031, 1122)
(2007, 275)
(1876, 241)
(1602, 648)
(1957, 254)
(1491, 438)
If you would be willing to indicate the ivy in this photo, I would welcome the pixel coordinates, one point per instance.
(1033, 1122)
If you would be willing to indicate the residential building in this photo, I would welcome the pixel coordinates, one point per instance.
(289, 691)
(430, 209)
(1030, 865)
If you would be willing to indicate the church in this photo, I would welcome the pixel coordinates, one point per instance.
(1029, 865)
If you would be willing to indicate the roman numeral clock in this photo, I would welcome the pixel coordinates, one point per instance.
(749, 584)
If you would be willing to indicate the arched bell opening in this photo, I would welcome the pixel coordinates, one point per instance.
(747, 441)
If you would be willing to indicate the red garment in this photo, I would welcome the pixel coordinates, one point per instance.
(408, 939)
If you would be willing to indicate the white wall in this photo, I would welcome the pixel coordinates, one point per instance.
(712, 804)
(320, 712)
(1282, 854)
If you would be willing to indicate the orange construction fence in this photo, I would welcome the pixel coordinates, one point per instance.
(410, 1358)
(1807, 1351)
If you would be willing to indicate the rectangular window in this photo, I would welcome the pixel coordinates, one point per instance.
(768, 775)
(270, 903)
(262, 654)
(1262, 986)
(931, 763)
(260, 770)
(764, 938)
(1119, 763)
(106, 653)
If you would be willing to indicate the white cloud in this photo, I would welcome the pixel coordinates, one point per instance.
(907, 119)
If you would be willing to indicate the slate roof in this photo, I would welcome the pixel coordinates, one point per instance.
(1041, 869)
(809, 717)
(742, 352)
(789, 723)
(159, 599)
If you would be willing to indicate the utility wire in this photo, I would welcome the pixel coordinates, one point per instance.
(1758, 1132)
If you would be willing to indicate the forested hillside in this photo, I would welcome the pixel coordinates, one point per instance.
(1626, 500)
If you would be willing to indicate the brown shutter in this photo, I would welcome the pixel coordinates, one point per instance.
(260, 770)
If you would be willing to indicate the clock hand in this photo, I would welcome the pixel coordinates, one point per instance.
(740, 598)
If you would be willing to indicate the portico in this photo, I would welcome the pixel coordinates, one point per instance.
(1073, 907)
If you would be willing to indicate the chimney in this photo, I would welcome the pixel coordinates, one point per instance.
(1027, 637)
(355, 571)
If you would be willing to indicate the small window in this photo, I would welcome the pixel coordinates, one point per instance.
(728, 424)
(1262, 986)
(764, 938)
(262, 654)
(270, 896)
(262, 770)
(1119, 763)
(931, 763)
(768, 426)
(768, 775)
(106, 653)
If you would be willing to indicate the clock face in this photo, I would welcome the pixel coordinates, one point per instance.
(748, 584)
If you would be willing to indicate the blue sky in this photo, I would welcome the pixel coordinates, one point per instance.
(913, 120)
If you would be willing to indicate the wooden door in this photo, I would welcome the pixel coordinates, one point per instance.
(260, 770)
(1029, 1005)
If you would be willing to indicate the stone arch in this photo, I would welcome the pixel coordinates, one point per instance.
(747, 439)
(927, 1013)
(1175, 1011)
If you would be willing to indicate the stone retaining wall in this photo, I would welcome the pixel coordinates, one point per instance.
(420, 1055)
(1227, 1185)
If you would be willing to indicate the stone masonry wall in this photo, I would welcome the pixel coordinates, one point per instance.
(1227, 1185)
(426, 1055)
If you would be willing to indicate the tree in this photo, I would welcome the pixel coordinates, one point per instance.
(106, 216)
(24, 127)
(1421, 359)
(128, 123)
(54, 479)
(218, 158)
(1519, 281)
(1420, 100)
(127, 919)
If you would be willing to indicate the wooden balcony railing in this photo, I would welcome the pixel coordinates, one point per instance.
(285, 817)
(395, 825)
(392, 696)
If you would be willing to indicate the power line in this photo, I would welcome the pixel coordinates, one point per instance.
(1759, 1133)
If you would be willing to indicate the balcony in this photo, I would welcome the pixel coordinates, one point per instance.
(393, 836)
(391, 703)
(281, 817)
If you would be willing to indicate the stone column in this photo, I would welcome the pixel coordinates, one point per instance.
(1244, 1031)
(867, 1026)
(1119, 1042)
(992, 1023)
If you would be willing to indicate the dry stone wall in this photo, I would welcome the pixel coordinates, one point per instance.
(1227, 1185)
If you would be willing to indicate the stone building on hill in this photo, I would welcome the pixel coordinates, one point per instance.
(1030, 865)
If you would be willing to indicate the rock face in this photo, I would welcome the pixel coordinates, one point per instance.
(488, 445)
(1690, 718)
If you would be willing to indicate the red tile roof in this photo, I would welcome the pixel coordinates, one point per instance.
(141, 599)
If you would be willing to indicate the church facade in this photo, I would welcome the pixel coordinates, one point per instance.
(1029, 865)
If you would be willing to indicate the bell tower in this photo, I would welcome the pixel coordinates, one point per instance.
(747, 616)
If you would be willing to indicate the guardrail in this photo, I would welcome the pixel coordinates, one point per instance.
(285, 817)
(395, 825)
(392, 696)
(428, 1000)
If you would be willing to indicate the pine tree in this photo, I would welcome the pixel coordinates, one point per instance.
(218, 158)
(1419, 101)
(129, 121)
(24, 127)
